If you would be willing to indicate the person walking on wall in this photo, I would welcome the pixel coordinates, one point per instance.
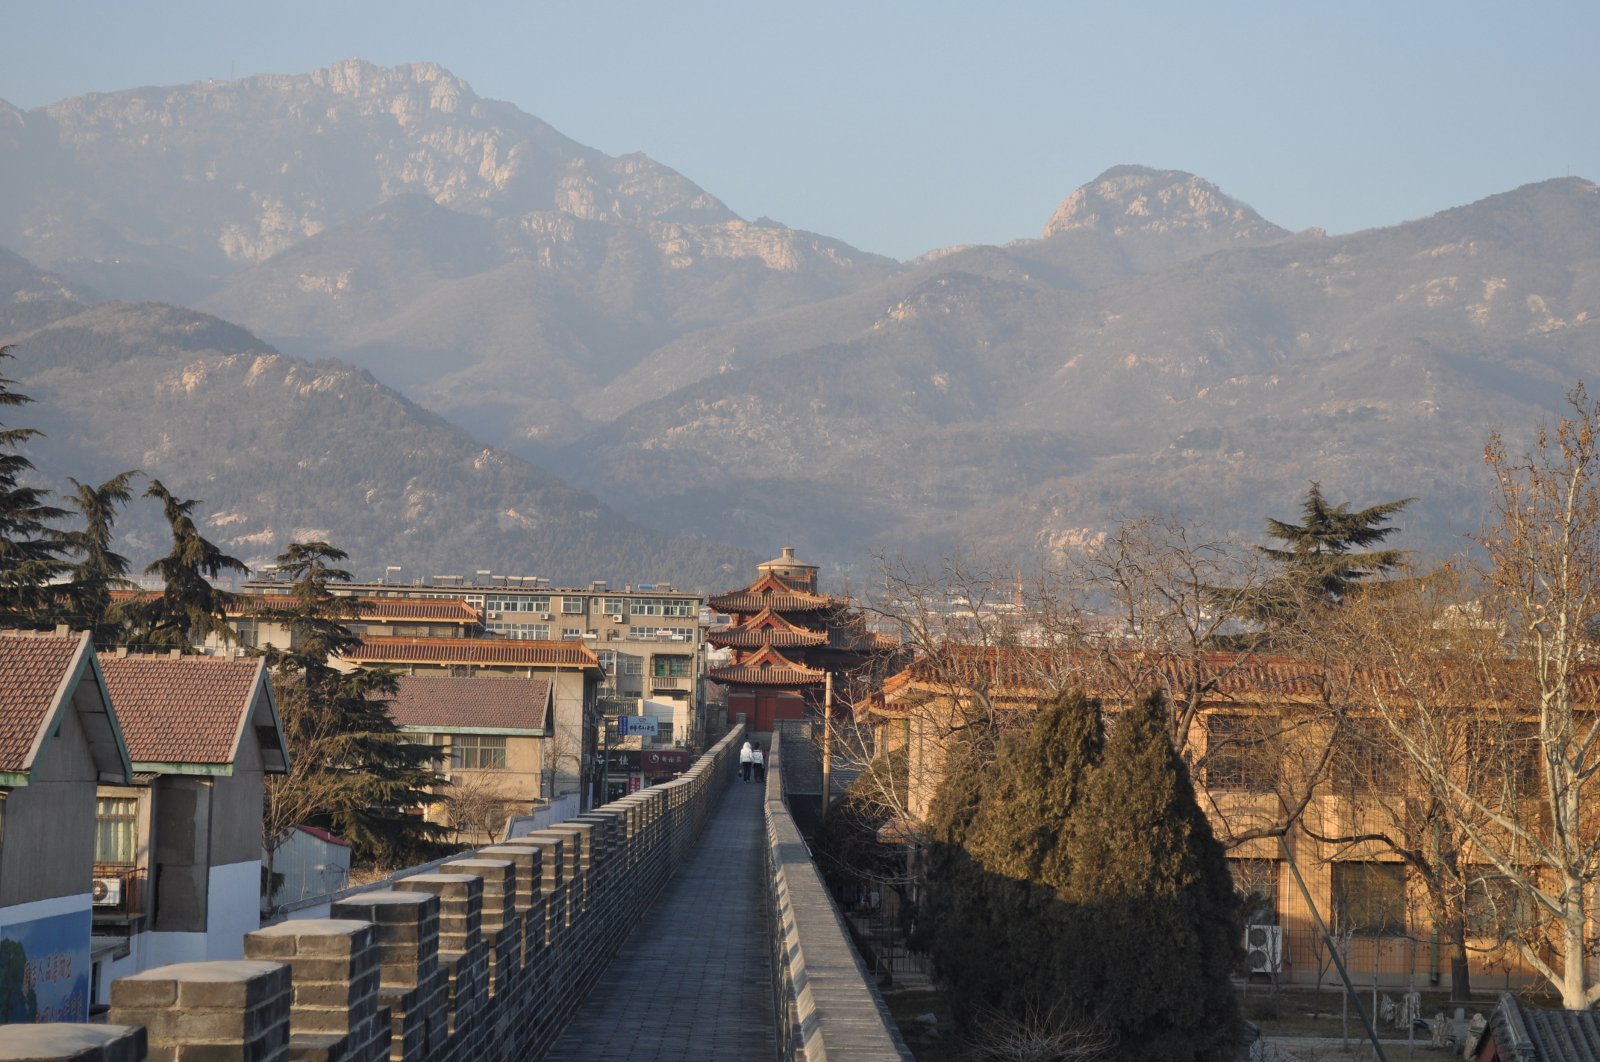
(759, 762)
(746, 761)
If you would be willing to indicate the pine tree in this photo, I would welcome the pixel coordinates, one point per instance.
(190, 608)
(1322, 560)
(352, 769)
(30, 551)
(1159, 936)
(97, 569)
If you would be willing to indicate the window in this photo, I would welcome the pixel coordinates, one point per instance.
(572, 605)
(1256, 883)
(521, 631)
(1369, 899)
(663, 733)
(1496, 908)
(608, 660)
(670, 667)
(515, 603)
(570, 633)
(478, 752)
(116, 830)
(632, 665)
(1499, 754)
(1366, 756)
(1240, 756)
(662, 606)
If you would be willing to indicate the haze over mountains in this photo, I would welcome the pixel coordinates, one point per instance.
(1160, 346)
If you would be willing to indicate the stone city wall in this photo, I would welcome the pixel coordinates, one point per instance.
(484, 957)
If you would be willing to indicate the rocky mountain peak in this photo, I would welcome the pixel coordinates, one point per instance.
(1132, 199)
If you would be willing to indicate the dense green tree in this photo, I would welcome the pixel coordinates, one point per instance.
(1154, 958)
(190, 607)
(95, 568)
(1073, 876)
(352, 769)
(994, 921)
(1319, 562)
(30, 550)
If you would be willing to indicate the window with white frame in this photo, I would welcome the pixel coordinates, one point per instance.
(478, 752)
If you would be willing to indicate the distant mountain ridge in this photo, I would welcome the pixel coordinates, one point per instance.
(278, 449)
(1159, 346)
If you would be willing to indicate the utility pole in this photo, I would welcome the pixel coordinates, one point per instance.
(827, 743)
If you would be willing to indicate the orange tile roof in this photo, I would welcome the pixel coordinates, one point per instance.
(768, 667)
(377, 609)
(183, 709)
(470, 702)
(34, 669)
(470, 651)
(766, 627)
(771, 592)
(1240, 677)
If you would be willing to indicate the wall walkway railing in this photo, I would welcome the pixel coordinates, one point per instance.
(828, 1006)
(485, 956)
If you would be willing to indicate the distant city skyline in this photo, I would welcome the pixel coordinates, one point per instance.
(901, 127)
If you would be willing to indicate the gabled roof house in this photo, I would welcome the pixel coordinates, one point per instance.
(59, 739)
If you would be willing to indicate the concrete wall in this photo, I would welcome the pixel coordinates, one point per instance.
(484, 956)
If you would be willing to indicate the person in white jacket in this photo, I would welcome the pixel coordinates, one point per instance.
(747, 758)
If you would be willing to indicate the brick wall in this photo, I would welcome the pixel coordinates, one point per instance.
(485, 957)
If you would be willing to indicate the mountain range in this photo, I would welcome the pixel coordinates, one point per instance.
(367, 301)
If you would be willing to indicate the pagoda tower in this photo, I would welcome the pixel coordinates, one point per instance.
(786, 639)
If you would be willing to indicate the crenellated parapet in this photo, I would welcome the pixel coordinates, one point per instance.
(484, 957)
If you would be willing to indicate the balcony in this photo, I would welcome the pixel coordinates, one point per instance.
(118, 893)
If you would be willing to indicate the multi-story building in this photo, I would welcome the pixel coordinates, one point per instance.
(648, 638)
(1257, 749)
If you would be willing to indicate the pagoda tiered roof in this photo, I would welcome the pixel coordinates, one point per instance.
(767, 667)
(767, 627)
(771, 592)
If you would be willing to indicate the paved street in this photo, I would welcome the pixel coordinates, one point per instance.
(694, 981)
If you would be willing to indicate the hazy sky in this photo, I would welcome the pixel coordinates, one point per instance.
(903, 126)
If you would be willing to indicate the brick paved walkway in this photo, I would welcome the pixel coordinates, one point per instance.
(694, 981)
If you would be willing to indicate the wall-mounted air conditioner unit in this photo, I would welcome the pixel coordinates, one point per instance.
(1263, 947)
(616, 617)
(548, 616)
(107, 892)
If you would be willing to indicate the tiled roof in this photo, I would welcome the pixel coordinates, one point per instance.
(364, 610)
(473, 651)
(183, 709)
(1525, 1034)
(378, 609)
(33, 669)
(1240, 677)
(470, 702)
(769, 591)
(767, 667)
(766, 627)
